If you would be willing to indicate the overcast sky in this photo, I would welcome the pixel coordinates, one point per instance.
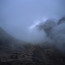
(18, 15)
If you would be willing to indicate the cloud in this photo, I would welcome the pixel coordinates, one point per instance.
(55, 32)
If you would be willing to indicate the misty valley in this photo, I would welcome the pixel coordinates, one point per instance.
(32, 32)
(19, 52)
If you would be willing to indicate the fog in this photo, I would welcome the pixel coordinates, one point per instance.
(20, 17)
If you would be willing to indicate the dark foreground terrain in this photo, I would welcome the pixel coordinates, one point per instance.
(33, 55)
(14, 52)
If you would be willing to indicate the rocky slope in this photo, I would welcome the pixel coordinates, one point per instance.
(15, 52)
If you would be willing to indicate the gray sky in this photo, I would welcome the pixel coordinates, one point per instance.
(18, 15)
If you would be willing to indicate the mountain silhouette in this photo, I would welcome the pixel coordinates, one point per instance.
(9, 42)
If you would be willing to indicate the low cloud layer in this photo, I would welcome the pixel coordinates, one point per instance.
(55, 32)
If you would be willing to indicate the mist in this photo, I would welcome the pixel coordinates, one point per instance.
(20, 17)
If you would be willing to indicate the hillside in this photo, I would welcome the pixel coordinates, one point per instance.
(15, 52)
(8, 42)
